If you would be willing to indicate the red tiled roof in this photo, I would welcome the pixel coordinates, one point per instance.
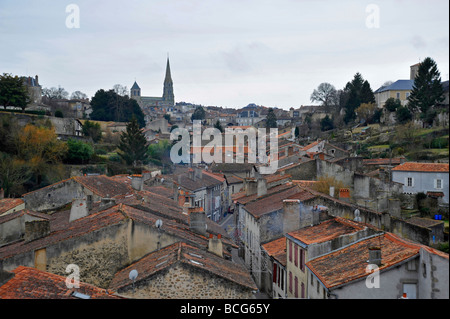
(273, 202)
(307, 147)
(347, 264)
(326, 230)
(277, 249)
(9, 203)
(31, 283)
(422, 167)
(186, 254)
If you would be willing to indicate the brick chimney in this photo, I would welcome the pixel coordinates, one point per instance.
(215, 245)
(344, 194)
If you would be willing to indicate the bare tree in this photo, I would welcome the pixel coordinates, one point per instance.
(55, 93)
(325, 93)
(120, 89)
(77, 95)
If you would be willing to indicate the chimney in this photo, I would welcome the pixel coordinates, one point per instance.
(197, 220)
(250, 187)
(332, 191)
(215, 245)
(137, 182)
(261, 187)
(344, 194)
(291, 215)
(36, 229)
(79, 209)
(198, 172)
(375, 255)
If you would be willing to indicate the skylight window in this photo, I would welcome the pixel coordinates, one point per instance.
(79, 295)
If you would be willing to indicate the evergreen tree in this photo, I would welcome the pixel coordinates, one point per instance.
(326, 124)
(218, 126)
(199, 114)
(133, 144)
(427, 90)
(367, 95)
(13, 91)
(271, 119)
(109, 106)
(356, 92)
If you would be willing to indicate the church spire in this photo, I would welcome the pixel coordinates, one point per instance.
(168, 95)
(168, 78)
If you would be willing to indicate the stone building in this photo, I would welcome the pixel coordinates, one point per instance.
(105, 238)
(398, 269)
(182, 271)
(167, 101)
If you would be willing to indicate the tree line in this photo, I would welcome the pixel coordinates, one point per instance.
(357, 100)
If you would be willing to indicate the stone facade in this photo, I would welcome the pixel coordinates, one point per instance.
(181, 281)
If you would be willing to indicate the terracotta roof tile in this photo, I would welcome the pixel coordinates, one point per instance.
(326, 230)
(349, 263)
(9, 203)
(273, 202)
(277, 249)
(31, 283)
(422, 167)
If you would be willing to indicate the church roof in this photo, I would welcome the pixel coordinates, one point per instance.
(135, 86)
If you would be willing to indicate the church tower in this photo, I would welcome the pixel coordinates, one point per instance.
(168, 96)
(135, 90)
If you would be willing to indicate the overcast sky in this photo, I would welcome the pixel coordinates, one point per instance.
(222, 52)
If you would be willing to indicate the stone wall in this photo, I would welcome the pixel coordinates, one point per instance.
(182, 281)
(99, 255)
(53, 196)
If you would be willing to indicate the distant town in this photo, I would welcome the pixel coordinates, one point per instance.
(93, 206)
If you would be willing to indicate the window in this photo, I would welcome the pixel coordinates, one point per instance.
(290, 251)
(438, 183)
(318, 286)
(407, 94)
(302, 259)
(296, 287)
(282, 279)
(312, 280)
(303, 290)
(274, 272)
(398, 95)
(409, 181)
(296, 255)
(290, 282)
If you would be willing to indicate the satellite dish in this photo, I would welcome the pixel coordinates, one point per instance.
(133, 274)
(159, 223)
